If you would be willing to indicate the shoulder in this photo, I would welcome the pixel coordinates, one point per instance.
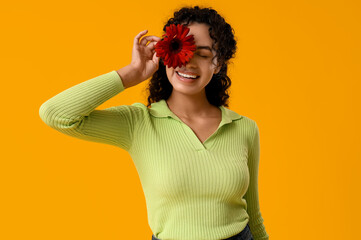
(242, 119)
(251, 125)
(135, 111)
(245, 123)
(135, 107)
(249, 121)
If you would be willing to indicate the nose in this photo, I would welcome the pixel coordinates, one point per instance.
(191, 63)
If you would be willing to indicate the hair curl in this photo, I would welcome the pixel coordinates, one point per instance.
(225, 44)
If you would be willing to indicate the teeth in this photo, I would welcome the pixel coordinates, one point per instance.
(187, 76)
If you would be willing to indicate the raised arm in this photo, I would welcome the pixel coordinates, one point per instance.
(73, 111)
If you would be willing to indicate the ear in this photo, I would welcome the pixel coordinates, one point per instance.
(217, 70)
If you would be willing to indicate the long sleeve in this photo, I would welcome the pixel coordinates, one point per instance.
(73, 112)
(253, 209)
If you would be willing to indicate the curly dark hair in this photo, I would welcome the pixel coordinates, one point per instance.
(225, 44)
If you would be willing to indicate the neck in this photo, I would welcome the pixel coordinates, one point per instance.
(190, 106)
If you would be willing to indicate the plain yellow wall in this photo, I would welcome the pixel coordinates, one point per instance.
(296, 73)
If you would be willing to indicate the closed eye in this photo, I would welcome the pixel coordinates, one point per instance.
(203, 56)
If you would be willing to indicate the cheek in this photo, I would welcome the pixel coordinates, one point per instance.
(169, 73)
(209, 70)
(206, 78)
(207, 65)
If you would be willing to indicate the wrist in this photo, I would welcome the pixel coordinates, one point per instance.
(127, 75)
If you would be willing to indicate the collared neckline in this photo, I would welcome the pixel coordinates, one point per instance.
(161, 109)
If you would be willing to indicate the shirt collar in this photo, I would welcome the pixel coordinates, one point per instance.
(160, 109)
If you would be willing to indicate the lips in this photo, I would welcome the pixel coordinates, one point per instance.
(189, 73)
(186, 80)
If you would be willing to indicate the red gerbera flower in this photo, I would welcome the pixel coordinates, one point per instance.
(176, 48)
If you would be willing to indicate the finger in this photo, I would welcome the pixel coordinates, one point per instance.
(136, 39)
(145, 40)
(151, 45)
(155, 58)
(149, 38)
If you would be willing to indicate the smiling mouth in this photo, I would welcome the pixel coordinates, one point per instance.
(187, 77)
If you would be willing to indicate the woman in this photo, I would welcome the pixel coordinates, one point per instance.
(197, 160)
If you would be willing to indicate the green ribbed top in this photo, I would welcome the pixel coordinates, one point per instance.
(193, 190)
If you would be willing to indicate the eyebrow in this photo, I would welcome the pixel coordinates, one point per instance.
(204, 47)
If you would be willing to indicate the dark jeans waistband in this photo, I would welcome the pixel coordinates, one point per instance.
(245, 234)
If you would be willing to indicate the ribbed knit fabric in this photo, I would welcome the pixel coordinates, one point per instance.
(193, 190)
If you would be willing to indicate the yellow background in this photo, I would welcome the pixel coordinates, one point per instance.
(296, 73)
